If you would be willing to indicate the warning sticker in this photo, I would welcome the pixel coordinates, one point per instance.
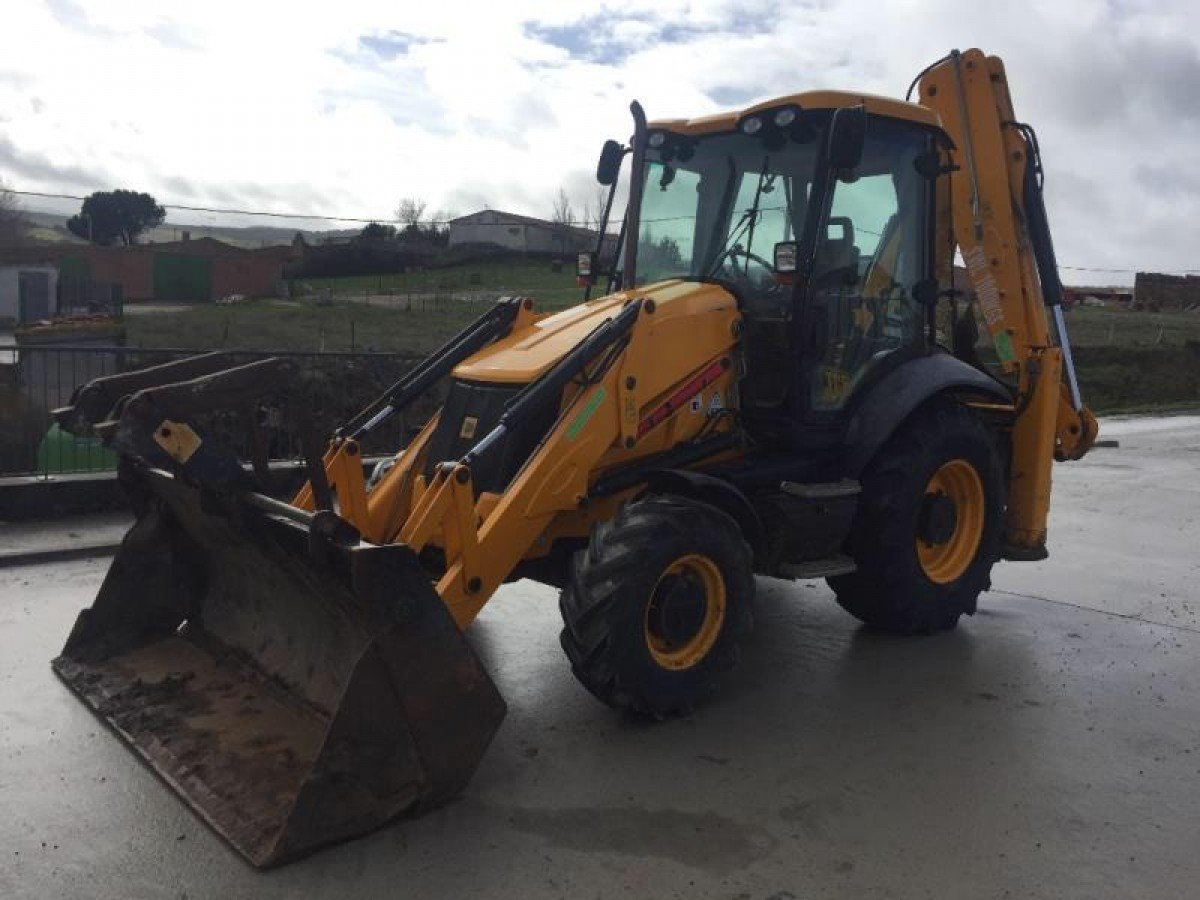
(582, 417)
(697, 403)
(989, 301)
(976, 261)
(835, 384)
(716, 404)
(178, 439)
(1004, 347)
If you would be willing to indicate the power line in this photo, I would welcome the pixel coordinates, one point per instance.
(445, 222)
(279, 215)
(241, 212)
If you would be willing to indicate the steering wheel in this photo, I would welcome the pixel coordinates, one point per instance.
(739, 250)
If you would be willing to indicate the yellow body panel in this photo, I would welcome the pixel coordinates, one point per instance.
(527, 353)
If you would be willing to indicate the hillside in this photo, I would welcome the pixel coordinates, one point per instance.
(53, 227)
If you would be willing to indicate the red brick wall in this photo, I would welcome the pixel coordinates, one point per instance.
(130, 267)
(235, 271)
(253, 275)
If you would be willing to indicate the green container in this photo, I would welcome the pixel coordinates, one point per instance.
(60, 452)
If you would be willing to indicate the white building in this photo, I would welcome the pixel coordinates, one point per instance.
(28, 292)
(523, 234)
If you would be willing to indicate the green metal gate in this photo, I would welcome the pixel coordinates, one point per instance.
(182, 279)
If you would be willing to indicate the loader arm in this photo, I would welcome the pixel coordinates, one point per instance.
(999, 224)
(608, 406)
(616, 394)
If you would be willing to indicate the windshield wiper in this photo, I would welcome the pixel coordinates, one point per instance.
(746, 222)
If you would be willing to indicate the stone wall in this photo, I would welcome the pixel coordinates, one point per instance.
(1156, 292)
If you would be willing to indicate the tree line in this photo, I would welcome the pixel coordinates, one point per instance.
(119, 217)
(411, 226)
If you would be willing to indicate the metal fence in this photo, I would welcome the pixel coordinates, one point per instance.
(36, 379)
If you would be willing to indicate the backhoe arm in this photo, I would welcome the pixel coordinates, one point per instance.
(999, 224)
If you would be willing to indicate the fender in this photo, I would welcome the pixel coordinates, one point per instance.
(715, 492)
(890, 401)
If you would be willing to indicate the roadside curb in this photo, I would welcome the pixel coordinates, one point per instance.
(57, 554)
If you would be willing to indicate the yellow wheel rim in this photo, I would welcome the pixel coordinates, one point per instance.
(946, 552)
(686, 611)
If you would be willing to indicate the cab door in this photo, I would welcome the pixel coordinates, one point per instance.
(873, 249)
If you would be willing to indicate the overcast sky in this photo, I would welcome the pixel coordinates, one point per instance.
(343, 111)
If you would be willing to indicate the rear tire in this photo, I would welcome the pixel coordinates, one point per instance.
(929, 525)
(655, 605)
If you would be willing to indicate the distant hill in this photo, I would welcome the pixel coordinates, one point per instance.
(53, 227)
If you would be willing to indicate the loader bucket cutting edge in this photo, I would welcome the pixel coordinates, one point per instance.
(292, 699)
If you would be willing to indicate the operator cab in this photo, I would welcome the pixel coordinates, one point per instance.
(728, 198)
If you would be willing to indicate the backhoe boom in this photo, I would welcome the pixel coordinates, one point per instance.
(1000, 227)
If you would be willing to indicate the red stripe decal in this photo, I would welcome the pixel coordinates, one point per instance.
(682, 396)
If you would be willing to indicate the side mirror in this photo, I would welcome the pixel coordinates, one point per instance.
(609, 166)
(847, 137)
(785, 258)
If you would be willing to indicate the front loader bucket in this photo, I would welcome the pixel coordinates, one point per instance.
(295, 691)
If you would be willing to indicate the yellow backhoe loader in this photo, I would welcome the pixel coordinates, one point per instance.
(761, 389)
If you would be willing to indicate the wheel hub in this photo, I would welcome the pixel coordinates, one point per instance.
(678, 610)
(685, 612)
(938, 519)
(950, 521)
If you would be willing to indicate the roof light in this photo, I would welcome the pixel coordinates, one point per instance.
(752, 125)
(785, 117)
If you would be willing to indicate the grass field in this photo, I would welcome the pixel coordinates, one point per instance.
(1127, 360)
(303, 325)
(1096, 327)
(424, 309)
(535, 278)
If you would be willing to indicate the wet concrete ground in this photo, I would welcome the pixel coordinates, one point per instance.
(1050, 747)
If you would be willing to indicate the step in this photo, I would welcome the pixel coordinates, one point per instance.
(822, 490)
(819, 568)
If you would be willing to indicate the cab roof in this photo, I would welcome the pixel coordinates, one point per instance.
(727, 121)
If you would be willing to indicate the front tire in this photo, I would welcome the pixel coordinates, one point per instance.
(929, 525)
(656, 603)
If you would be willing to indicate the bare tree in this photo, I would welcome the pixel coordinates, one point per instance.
(409, 213)
(563, 218)
(563, 215)
(593, 208)
(14, 227)
(438, 231)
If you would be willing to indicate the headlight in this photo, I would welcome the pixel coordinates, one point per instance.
(752, 125)
(785, 117)
(657, 139)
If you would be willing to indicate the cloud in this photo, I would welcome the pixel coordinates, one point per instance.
(390, 44)
(473, 103)
(18, 167)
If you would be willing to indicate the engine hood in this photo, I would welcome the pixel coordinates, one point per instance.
(524, 355)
